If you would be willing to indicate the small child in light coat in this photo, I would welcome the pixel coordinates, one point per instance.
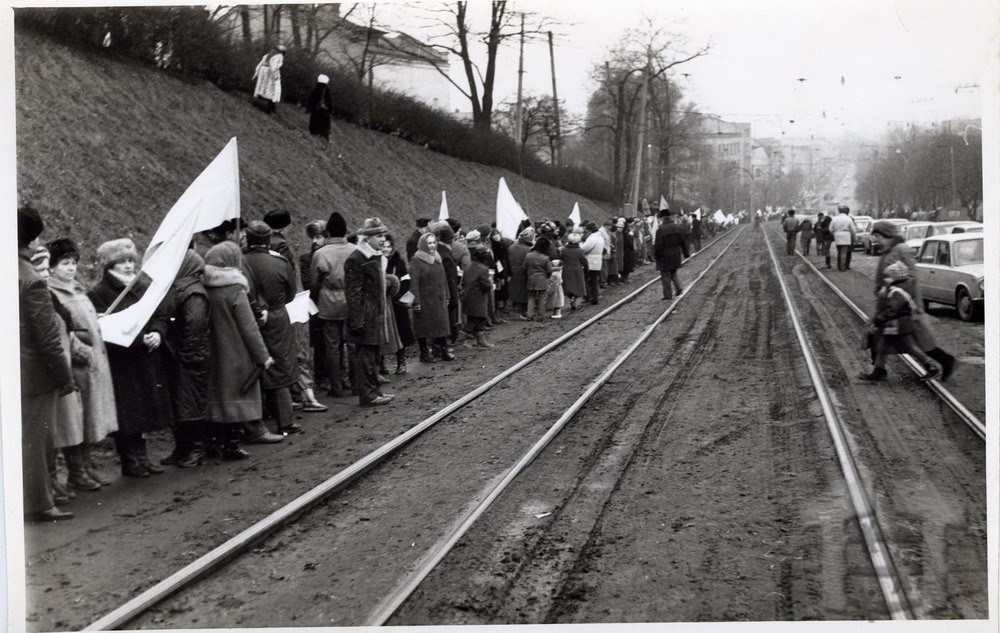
(554, 299)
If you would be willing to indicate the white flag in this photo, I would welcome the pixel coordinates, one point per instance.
(215, 193)
(575, 214)
(719, 217)
(443, 213)
(509, 212)
(663, 203)
(300, 308)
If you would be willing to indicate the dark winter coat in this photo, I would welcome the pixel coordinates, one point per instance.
(669, 245)
(574, 270)
(237, 347)
(396, 265)
(476, 286)
(281, 246)
(429, 285)
(617, 262)
(142, 396)
(364, 285)
(518, 276)
(893, 313)
(319, 105)
(538, 268)
(822, 230)
(411, 244)
(44, 368)
(501, 265)
(189, 347)
(696, 228)
(628, 252)
(451, 272)
(273, 277)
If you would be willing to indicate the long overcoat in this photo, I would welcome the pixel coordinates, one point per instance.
(538, 268)
(237, 348)
(319, 105)
(396, 265)
(669, 245)
(429, 286)
(274, 278)
(516, 254)
(68, 427)
(94, 377)
(476, 287)
(451, 273)
(189, 347)
(142, 394)
(923, 331)
(574, 270)
(364, 285)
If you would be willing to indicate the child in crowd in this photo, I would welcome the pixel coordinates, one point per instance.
(554, 299)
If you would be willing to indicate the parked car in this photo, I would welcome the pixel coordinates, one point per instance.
(863, 224)
(950, 271)
(914, 234)
(872, 246)
(964, 226)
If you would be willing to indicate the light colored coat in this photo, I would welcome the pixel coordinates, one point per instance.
(593, 248)
(842, 227)
(268, 76)
(327, 278)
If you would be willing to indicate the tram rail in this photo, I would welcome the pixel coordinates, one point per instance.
(285, 515)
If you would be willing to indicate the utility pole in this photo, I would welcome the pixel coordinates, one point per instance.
(519, 114)
(642, 142)
(557, 154)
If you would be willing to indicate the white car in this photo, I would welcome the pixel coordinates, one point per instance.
(914, 234)
(965, 226)
(950, 271)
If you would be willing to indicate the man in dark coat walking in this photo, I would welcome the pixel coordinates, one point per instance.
(696, 232)
(274, 279)
(364, 285)
(45, 374)
(669, 245)
(411, 242)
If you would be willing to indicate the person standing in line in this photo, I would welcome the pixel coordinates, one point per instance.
(316, 232)
(429, 285)
(364, 285)
(593, 250)
(538, 269)
(142, 398)
(445, 237)
(319, 106)
(274, 278)
(628, 251)
(237, 350)
(516, 255)
(617, 252)
(574, 270)
(401, 299)
(791, 227)
(414, 239)
(268, 79)
(500, 246)
(280, 219)
(93, 377)
(806, 235)
(843, 230)
(45, 374)
(327, 281)
(476, 287)
(609, 245)
(823, 237)
(669, 246)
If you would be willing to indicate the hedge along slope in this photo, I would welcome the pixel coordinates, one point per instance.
(105, 146)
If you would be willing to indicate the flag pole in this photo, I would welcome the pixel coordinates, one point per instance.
(121, 295)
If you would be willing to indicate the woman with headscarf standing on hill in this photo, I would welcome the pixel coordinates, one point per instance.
(237, 349)
(142, 398)
(429, 285)
(319, 105)
(92, 376)
(268, 78)
(187, 342)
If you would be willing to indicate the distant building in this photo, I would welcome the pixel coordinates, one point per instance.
(727, 141)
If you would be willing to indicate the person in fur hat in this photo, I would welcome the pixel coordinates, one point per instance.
(280, 219)
(142, 399)
(670, 244)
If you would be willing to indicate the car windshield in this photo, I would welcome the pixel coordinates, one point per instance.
(862, 225)
(915, 232)
(943, 230)
(967, 252)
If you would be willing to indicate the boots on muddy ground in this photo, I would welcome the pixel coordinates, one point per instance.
(91, 467)
(231, 449)
(143, 456)
(131, 466)
(310, 404)
(947, 362)
(197, 454)
(481, 340)
(78, 478)
(256, 433)
(877, 374)
(182, 445)
(400, 362)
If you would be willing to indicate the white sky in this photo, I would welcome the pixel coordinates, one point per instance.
(759, 49)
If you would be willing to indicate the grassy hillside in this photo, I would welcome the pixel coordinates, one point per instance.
(105, 146)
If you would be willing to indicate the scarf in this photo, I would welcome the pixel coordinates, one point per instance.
(221, 276)
(125, 280)
(427, 258)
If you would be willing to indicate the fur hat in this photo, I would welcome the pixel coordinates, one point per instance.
(664, 213)
(278, 219)
(896, 272)
(39, 255)
(372, 226)
(315, 228)
(442, 230)
(29, 225)
(336, 226)
(423, 222)
(258, 234)
(61, 249)
(885, 229)
(484, 229)
(454, 224)
(573, 238)
(114, 251)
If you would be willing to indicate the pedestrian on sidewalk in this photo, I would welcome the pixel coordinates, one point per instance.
(791, 227)
(669, 246)
(429, 285)
(843, 230)
(364, 286)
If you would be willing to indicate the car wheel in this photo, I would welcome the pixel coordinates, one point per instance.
(966, 308)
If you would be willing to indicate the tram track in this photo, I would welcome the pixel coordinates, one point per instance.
(134, 610)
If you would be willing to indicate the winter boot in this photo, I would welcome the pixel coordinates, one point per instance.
(257, 433)
(400, 363)
(931, 372)
(90, 467)
(131, 466)
(182, 445)
(877, 375)
(481, 340)
(58, 487)
(231, 449)
(947, 362)
(197, 455)
(143, 456)
(382, 369)
(78, 477)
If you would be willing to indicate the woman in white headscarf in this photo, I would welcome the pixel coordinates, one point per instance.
(319, 105)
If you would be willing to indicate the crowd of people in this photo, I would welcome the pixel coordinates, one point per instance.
(220, 354)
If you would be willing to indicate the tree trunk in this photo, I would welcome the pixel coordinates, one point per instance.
(296, 33)
(462, 29)
(245, 22)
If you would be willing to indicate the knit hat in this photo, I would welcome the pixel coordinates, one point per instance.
(422, 222)
(61, 249)
(527, 235)
(258, 234)
(277, 219)
(39, 255)
(114, 251)
(336, 226)
(885, 229)
(29, 225)
(473, 236)
(372, 226)
(573, 238)
(323, 79)
(897, 271)
(315, 228)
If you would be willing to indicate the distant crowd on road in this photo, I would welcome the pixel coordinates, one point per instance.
(220, 353)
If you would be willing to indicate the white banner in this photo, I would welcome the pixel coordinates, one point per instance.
(575, 214)
(443, 213)
(663, 203)
(509, 212)
(301, 308)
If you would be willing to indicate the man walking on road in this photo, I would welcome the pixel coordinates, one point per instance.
(791, 226)
(695, 232)
(669, 246)
(822, 231)
(843, 231)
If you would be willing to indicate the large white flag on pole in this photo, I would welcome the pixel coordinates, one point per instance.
(443, 213)
(575, 214)
(663, 203)
(211, 199)
(509, 212)
(719, 217)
